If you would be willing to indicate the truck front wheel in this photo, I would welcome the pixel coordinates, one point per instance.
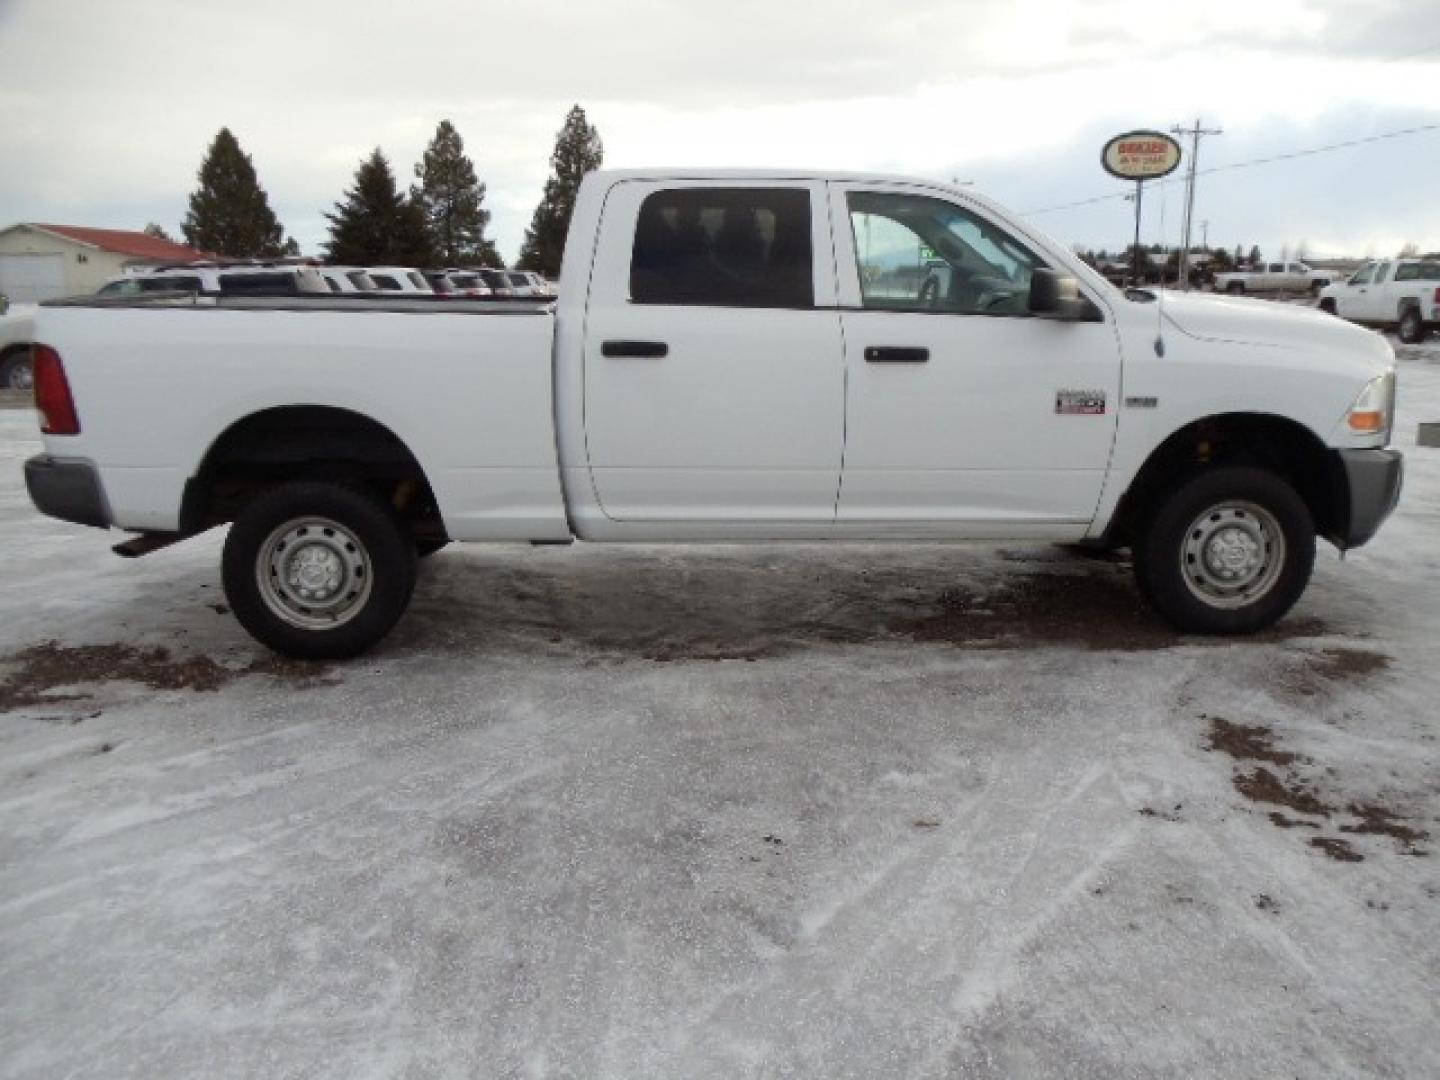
(1228, 552)
(318, 571)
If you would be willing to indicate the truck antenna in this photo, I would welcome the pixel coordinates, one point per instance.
(1160, 292)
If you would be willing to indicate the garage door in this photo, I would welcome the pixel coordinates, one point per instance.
(27, 278)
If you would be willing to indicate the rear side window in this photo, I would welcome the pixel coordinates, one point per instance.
(258, 283)
(724, 247)
(169, 284)
(1424, 271)
(384, 281)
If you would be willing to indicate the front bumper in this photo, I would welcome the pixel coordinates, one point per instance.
(1374, 479)
(68, 489)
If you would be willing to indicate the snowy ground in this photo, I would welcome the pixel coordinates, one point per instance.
(720, 812)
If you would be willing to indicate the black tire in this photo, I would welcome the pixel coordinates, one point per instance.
(1316, 287)
(1328, 306)
(356, 537)
(1412, 326)
(1237, 513)
(1235, 288)
(426, 546)
(16, 372)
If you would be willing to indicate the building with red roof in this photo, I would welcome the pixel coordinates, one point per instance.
(39, 262)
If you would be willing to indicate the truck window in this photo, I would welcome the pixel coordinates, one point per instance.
(1276, 268)
(1363, 275)
(1421, 271)
(384, 281)
(916, 253)
(724, 247)
(1381, 273)
(267, 284)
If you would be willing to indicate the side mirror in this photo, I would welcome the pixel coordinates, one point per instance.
(1057, 296)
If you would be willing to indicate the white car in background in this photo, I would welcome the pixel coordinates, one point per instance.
(459, 284)
(348, 279)
(225, 279)
(400, 280)
(1399, 293)
(498, 281)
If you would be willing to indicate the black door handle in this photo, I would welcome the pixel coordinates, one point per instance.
(895, 354)
(648, 350)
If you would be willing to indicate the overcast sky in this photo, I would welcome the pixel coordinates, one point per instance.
(108, 106)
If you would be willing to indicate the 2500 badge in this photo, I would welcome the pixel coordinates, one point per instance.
(1080, 402)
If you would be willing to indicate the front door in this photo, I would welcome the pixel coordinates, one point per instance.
(714, 370)
(964, 411)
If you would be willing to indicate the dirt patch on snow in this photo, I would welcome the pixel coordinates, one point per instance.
(1246, 743)
(1319, 671)
(1378, 821)
(47, 671)
(1262, 785)
(1090, 611)
(1339, 850)
(1285, 789)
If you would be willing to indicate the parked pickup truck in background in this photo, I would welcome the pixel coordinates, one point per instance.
(1403, 294)
(1294, 277)
(733, 356)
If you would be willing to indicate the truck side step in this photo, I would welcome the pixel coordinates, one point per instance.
(145, 543)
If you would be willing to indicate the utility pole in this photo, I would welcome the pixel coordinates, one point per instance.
(1195, 133)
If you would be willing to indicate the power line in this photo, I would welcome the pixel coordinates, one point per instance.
(1251, 163)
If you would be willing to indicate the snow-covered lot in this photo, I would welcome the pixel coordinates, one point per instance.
(722, 812)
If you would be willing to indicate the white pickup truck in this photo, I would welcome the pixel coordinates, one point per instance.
(1399, 293)
(734, 356)
(1290, 277)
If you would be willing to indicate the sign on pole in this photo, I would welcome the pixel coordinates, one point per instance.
(1140, 156)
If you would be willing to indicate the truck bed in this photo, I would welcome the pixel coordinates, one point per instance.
(471, 396)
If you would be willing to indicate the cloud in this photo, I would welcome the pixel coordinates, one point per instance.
(109, 106)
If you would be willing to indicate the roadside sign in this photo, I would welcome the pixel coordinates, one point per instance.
(1141, 155)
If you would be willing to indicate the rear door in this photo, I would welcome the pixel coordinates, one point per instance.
(1350, 297)
(714, 371)
(965, 413)
(1377, 304)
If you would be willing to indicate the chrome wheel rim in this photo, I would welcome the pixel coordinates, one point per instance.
(1233, 554)
(22, 377)
(313, 573)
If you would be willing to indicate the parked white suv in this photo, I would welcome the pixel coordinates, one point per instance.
(1403, 294)
(254, 279)
(348, 280)
(400, 280)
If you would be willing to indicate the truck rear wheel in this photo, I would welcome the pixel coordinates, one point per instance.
(1228, 552)
(1412, 326)
(1235, 288)
(318, 571)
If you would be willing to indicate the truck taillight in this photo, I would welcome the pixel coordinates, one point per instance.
(52, 393)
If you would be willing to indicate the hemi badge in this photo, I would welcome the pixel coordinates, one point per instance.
(1080, 402)
(1142, 402)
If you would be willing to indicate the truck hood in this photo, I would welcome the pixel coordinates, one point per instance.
(1212, 317)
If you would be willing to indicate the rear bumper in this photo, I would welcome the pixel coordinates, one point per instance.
(68, 489)
(1374, 480)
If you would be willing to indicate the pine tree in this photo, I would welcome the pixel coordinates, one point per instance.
(1255, 257)
(578, 150)
(451, 197)
(155, 229)
(375, 225)
(229, 212)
